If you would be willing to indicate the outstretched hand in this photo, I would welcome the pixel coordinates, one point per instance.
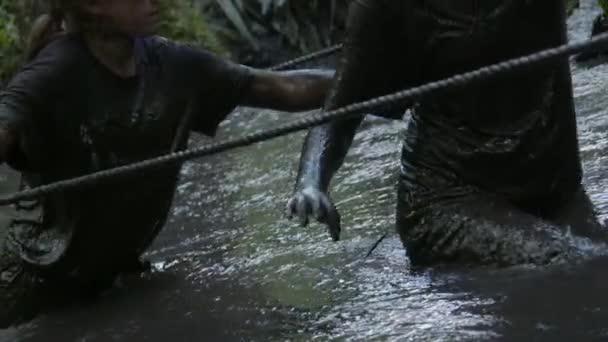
(311, 201)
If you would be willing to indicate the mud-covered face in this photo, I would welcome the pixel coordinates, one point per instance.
(132, 17)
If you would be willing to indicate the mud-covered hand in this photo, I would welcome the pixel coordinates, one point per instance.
(312, 201)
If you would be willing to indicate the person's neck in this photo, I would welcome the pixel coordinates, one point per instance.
(117, 53)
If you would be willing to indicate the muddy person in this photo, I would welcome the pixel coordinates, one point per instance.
(100, 90)
(490, 172)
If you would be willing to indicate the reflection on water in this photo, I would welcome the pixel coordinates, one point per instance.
(230, 267)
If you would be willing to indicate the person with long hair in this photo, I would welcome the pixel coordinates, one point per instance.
(100, 90)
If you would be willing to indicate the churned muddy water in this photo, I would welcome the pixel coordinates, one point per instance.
(229, 266)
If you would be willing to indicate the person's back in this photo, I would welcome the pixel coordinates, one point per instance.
(515, 135)
(487, 168)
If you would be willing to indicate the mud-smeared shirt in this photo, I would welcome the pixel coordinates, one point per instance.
(73, 117)
(513, 135)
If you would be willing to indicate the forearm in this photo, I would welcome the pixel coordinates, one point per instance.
(292, 91)
(363, 73)
(324, 151)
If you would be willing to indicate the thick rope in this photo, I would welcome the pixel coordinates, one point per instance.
(307, 58)
(599, 42)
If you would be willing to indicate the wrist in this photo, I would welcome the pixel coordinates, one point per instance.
(311, 184)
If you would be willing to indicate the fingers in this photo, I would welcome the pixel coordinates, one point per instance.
(290, 211)
(319, 209)
(316, 204)
(333, 222)
(304, 209)
(298, 206)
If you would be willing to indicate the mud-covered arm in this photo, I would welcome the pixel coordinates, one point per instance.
(291, 91)
(370, 67)
(216, 86)
(324, 151)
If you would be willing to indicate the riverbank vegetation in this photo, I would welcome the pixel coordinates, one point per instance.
(254, 32)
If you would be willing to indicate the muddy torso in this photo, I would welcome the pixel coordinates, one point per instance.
(77, 118)
(514, 135)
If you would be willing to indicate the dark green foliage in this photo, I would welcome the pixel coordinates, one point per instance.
(181, 20)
